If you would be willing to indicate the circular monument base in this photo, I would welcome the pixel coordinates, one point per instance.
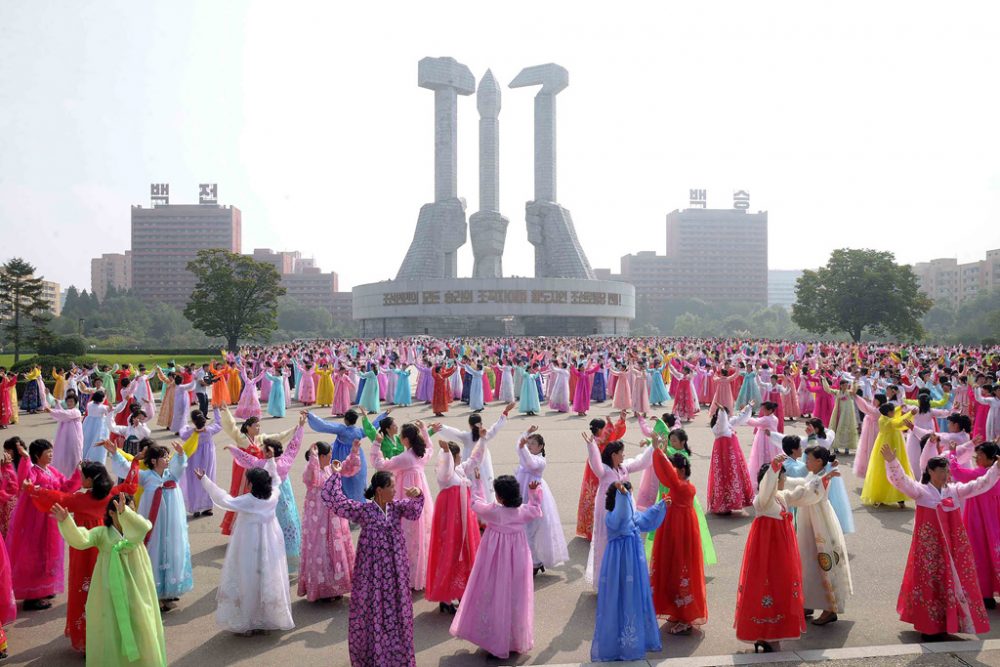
(494, 307)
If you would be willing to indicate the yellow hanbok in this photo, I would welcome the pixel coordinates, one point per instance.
(877, 489)
(324, 386)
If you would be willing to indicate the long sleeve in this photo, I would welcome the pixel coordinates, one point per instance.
(445, 469)
(287, 458)
(665, 470)
(641, 462)
(594, 459)
(323, 426)
(134, 525)
(644, 426)
(410, 508)
(334, 498)
(621, 516)
(533, 509)
(218, 496)
(497, 425)
(229, 425)
(76, 537)
(651, 519)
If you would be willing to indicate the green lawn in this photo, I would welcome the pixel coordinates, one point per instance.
(149, 360)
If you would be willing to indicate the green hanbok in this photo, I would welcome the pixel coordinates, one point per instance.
(123, 612)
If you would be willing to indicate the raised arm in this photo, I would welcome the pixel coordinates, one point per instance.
(322, 426)
(334, 498)
(966, 490)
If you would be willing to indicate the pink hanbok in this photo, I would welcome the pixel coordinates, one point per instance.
(67, 449)
(307, 386)
(33, 540)
(866, 441)
(981, 516)
(581, 393)
(497, 612)
(327, 551)
(409, 471)
(640, 390)
(249, 405)
(343, 393)
(724, 391)
(622, 391)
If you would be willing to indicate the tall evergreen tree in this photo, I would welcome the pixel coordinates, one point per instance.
(24, 310)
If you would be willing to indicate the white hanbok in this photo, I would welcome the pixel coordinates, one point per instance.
(545, 534)
(253, 588)
(465, 438)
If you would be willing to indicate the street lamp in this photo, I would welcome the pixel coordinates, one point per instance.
(79, 325)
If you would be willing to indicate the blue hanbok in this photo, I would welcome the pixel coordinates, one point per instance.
(658, 394)
(353, 486)
(291, 526)
(96, 429)
(475, 388)
(599, 392)
(625, 626)
(369, 396)
(168, 546)
(529, 395)
(795, 468)
(276, 399)
(749, 391)
(836, 492)
(402, 395)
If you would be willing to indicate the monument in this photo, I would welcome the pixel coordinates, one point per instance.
(427, 296)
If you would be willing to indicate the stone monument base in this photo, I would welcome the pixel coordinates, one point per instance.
(494, 307)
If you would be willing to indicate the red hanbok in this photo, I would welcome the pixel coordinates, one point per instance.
(455, 540)
(729, 486)
(590, 483)
(685, 402)
(769, 596)
(87, 513)
(677, 570)
(442, 392)
(238, 486)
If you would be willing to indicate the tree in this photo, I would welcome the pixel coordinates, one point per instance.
(860, 292)
(22, 304)
(297, 317)
(235, 298)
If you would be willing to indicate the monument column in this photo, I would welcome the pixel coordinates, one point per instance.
(487, 227)
(441, 226)
(558, 253)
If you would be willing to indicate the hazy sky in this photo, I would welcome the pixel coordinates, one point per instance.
(852, 123)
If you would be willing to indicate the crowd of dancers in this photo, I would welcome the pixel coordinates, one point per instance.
(920, 422)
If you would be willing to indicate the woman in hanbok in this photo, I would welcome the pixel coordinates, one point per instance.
(455, 532)
(380, 625)
(469, 439)
(559, 394)
(249, 438)
(201, 456)
(181, 404)
(327, 550)
(730, 487)
(599, 390)
(402, 396)
(877, 489)
(68, 446)
(769, 597)
(685, 401)
(605, 432)
(530, 402)
(790, 397)
(442, 392)
(163, 504)
(369, 399)
(582, 390)
(545, 534)
(33, 542)
(981, 516)
(95, 427)
(324, 385)
(816, 434)
(408, 469)
(506, 393)
(168, 390)
(677, 569)
(306, 383)
(8, 605)
(940, 591)
(869, 431)
(658, 394)
(826, 569)
(11, 461)
(253, 587)
(249, 403)
(987, 400)
(762, 449)
(276, 400)
(622, 391)
(610, 466)
(88, 507)
(924, 418)
(625, 625)
(807, 400)
(343, 390)
(286, 511)
(498, 609)
(843, 419)
(724, 381)
(34, 397)
(475, 386)
(773, 392)
(640, 388)
(749, 393)
(123, 620)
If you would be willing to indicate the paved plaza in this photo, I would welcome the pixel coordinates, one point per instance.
(564, 604)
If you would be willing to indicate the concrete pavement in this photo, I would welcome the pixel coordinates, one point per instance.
(564, 604)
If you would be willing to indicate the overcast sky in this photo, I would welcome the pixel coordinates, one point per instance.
(859, 124)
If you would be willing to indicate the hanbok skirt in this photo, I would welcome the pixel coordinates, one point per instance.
(449, 563)
(730, 488)
(291, 526)
(769, 595)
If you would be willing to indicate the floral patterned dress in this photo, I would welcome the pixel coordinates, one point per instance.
(380, 626)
